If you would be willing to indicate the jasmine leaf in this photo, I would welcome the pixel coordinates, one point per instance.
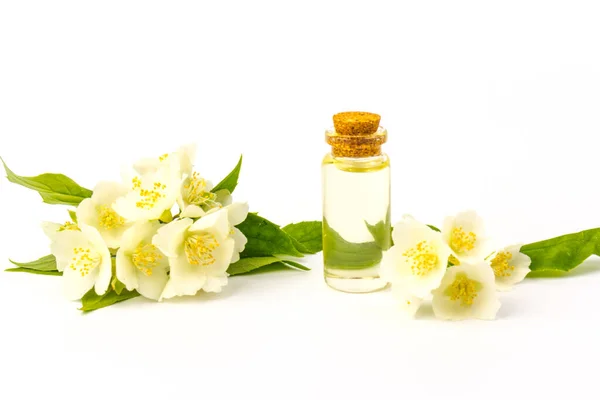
(253, 264)
(246, 265)
(46, 263)
(42, 266)
(34, 271)
(265, 238)
(382, 233)
(117, 285)
(54, 188)
(230, 181)
(341, 254)
(306, 236)
(277, 266)
(296, 265)
(563, 253)
(91, 301)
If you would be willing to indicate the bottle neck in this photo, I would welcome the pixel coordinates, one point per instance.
(356, 146)
(356, 151)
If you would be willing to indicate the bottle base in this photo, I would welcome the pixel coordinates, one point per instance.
(355, 284)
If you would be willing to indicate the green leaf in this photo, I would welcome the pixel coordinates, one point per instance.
(341, 254)
(73, 215)
(117, 285)
(46, 263)
(563, 253)
(230, 181)
(91, 301)
(434, 228)
(34, 271)
(306, 236)
(277, 266)
(54, 188)
(246, 265)
(254, 264)
(382, 233)
(296, 265)
(265, 238)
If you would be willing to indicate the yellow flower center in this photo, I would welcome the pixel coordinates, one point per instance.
(500, 264)
(463, 289)
(196, 193)
(461, 241)
(108, 218)
(149, 197)
(84, 260)
(68, 226)
(199, 248)
(163, 157)
(146, 257)
(422, 258)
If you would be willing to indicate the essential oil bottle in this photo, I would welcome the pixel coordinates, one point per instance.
(356, 203)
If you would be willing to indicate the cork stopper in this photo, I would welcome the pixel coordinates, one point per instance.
(356, 123)
(356, 134)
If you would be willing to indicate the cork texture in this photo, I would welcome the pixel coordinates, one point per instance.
(356, 134)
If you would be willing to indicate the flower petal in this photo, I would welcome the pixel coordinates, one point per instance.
(471, 248)
(192, 211)
(75, 285)
(240, 244)
(146, 165)
(86, 213)
(214, 284)
(163, 186)
(105, 268)
(169, 238)
(237, 213)
(216, 274)
(151, 286)
(63, 244)
(187, 155)
(148, 285)
(224, 197)
(402, 230)
(520, 262)
(409, 304)
(126, 271)
(106, 192)
(216, 221)
(185, 279)
(50, 229)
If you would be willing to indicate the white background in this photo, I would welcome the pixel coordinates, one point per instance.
(491, 105)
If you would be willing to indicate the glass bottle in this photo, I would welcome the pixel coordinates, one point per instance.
(356, 203)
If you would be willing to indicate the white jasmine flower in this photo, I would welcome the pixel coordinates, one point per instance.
(84, 259)
(141, 265)
(467, 291)
(98, 212)
(195, 196)
(151, 193)
(52, 228)
(510, 266)
(199, 253)
(185, 156)
(417, 262)
(464, 233)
